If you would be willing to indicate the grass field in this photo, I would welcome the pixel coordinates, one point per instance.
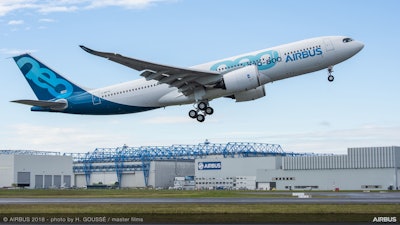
(206, 213)
(187, 213)
(198, 208)
(132, 193)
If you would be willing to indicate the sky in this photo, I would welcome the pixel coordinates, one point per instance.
(303, 114)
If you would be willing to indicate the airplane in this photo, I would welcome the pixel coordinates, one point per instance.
(242, 77)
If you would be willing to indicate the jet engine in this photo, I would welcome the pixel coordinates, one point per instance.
(242, 79)
(250, 95)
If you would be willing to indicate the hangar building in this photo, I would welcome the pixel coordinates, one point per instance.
(35, 169)
(373, 168)
(213, 166)
(149, 166)
(155, 166)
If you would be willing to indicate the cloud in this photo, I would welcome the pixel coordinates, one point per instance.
(50, 6)
(7, 6)
(57, 8)
(130, 4)
(15, 51)
(86, 138)
(324, 124)
(327, 141)
(46, 20)
(40, 135)
(15, 22)
(339, 140)
(54, 138)
(167, 120)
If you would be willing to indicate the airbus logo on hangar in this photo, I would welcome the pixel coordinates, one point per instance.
(209, 166)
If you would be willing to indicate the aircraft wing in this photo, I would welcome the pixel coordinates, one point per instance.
(185, 79)
(42, 103)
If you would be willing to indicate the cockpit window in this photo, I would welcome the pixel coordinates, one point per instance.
(346, 40)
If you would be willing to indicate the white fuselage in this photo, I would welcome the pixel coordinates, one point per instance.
(273, 64)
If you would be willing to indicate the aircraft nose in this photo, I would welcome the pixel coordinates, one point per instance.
(358, 46)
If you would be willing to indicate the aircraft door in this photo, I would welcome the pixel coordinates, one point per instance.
(329, 45)
(96, 100)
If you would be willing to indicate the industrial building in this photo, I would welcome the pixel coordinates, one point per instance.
(132, 174)
(373, 168)
(155, 166)
(233, 165)
(35, 169)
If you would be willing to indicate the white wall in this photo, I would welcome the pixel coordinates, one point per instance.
(7, 170)
(80, 180)
(163, 173)
(107, 178)
(133, 179)
(344, 179)
(43, 165)
(231, 167)
(129, 179)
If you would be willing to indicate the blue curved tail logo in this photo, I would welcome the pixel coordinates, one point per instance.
(46, 83)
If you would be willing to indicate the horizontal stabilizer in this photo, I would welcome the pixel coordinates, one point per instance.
(43, 104)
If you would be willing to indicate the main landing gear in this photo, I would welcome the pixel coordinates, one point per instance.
(202, 109)
(330, 71)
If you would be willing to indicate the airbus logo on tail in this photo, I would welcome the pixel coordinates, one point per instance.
(45, 78)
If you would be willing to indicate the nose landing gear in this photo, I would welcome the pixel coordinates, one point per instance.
(202, 109)
(330, 71)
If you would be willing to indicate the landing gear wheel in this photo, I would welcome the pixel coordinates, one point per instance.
(201, 118)
(201, 110)
(192, 114)
(330, 71)
(202, 105)
(209, 111)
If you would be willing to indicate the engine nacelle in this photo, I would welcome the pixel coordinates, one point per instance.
(242, 79)
(250, 95)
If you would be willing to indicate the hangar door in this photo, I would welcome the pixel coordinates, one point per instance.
(38, 181)
(57, 181)
(48, 181)
(263, 186)
(23, 179)
(67, 181)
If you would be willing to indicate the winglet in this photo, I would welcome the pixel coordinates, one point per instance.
(91, 51)
(97, 53)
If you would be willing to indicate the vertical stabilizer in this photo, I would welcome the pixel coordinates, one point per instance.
(45, 83)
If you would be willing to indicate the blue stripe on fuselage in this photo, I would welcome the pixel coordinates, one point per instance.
(84, 103)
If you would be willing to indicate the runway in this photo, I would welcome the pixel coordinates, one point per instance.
(255, 198)
(335, 198)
